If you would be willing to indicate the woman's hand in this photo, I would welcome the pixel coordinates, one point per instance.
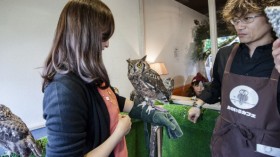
(193, 114)
(276, 54)
(124, 125)
(122, 128)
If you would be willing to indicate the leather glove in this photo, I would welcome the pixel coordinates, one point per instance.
(150, 114)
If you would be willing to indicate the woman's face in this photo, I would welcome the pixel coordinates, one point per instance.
(105, 44)
(198, 88)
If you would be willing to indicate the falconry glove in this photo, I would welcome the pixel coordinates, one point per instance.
(150, 114)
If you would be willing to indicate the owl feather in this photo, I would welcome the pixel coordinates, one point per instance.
(15, 136)
(155, 84)
(148, 86)
(146, 82)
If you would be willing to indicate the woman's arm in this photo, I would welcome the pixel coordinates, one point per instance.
(65, 109)
(128, 105)
(108, 146)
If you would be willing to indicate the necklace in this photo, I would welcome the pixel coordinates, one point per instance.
(108, 95)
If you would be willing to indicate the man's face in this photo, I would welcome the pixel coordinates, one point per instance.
(256, 32)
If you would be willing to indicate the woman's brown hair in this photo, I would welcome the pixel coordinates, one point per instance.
(77, 47)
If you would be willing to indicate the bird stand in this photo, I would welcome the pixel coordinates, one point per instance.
(155, 141)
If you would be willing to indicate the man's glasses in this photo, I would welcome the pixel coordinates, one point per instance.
(245, 20)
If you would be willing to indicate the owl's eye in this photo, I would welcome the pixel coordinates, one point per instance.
(139, 65)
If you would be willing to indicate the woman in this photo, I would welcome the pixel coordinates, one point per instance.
(199, 82)
(80, 107)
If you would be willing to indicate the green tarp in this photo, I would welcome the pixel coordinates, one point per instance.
(194, 143)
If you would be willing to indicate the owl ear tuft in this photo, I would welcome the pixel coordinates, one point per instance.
(144, 58)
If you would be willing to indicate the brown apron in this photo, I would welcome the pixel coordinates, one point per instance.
(249, 122)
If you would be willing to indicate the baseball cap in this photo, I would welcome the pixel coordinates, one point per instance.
(199, 78)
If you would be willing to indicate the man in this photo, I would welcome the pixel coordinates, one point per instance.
(197, 85)
(246, 82)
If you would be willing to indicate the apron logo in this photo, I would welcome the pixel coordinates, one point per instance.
(244, 97)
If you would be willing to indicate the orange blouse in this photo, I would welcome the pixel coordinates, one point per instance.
(113, 108)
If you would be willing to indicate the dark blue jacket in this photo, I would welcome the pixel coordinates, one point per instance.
(77, 118)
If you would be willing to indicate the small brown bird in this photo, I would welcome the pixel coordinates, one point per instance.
(15, 136)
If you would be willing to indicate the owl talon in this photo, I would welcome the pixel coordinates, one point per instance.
(160, 109)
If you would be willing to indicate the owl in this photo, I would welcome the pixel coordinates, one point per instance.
(169, 85)
(148, 86)
(147, 82)
(15, 136)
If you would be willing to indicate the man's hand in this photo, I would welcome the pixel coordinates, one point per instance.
(194, 113)
(276, 54)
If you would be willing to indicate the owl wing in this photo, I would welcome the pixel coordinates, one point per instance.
(155, 83)
(16, 137)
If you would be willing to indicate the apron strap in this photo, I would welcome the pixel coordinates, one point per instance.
(274, 75)
(246, 134)
(245, 131)
(230, 59)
